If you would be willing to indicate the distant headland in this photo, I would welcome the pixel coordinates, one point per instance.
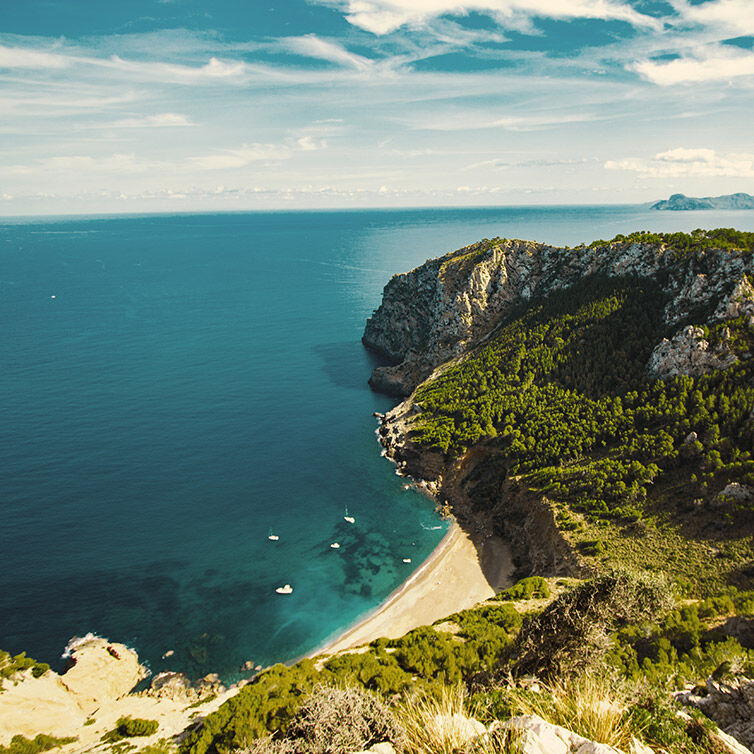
(678, 202)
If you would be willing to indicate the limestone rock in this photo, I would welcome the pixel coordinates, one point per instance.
(688, 353)
(384, 748)
(441, 309)
(739, 302)
(734, 494)
(730, 705)
(459, 727)
(101, 671)
(541, 737)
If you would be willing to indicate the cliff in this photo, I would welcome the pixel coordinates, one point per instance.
(681, 202)
(473, 420)
(441, 310)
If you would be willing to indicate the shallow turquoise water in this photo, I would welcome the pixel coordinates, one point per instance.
(196, 383)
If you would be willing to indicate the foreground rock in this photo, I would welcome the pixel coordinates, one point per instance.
(100, 673)
(96, 690)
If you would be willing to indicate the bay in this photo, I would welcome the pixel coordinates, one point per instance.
(177, 388)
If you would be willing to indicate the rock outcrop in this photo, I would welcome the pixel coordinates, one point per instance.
(689, 352)
(730, 704)
(100, 672)
(440, 310)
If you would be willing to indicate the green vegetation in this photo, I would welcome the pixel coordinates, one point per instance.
(22, 745)
(9, 665)
(561, 401)
(618, 638)
(129, 727)
(727, 239)
(532, 587)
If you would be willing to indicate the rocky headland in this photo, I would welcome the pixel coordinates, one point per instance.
(444, 311)
(681, 202)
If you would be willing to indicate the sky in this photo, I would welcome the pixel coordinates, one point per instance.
(186, 105)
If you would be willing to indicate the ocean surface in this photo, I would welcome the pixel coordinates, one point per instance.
(177, 388)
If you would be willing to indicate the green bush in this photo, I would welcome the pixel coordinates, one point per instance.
(22, 745)
(532, 587)
(130, 727)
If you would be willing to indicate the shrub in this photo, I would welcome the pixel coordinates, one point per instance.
(532, 587)
(572, 631)
(22, 745)
(335, 720)
(129, 727)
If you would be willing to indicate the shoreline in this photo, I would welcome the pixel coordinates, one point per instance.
(460, 572)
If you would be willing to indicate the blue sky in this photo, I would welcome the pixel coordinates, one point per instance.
(162, 105)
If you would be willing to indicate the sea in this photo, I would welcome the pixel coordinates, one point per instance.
(177, 389)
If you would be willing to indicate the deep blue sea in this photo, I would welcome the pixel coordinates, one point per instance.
(176, 388)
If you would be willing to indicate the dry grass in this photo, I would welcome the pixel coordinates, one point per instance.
(587, 706)
(441, 726)
(431, 724)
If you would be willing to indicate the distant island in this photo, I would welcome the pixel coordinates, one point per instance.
(678, 202)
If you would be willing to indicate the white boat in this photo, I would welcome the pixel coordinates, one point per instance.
(335, 545)
(349, 518)
(273, 537)
(406, 560)
(287, 589)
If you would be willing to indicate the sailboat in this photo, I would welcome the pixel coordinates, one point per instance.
(272, 537)
(335, 545)
(350, 519)
(287, 589)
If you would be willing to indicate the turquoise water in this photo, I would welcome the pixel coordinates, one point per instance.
(196, 383)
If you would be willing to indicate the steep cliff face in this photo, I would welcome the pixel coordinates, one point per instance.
(440, 310)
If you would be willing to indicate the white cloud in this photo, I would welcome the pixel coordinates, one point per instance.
(238, 158)
(533, 122)
(722, 64)
(21, 57)
(385, 16)
(161, 120)
(310, 144)
(313, 46)
(79, 164)
(735, 16)
(210, 73)
(683, 162)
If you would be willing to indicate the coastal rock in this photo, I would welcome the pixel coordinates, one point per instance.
(100, 672)
(438, 311)
(688, 353)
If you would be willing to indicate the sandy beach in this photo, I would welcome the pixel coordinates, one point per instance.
(457, 575)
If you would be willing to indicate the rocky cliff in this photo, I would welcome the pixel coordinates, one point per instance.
(442, 311)
(439, 311)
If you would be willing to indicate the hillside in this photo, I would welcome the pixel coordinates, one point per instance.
(597, 403)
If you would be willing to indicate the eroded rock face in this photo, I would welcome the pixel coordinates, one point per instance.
(689, 353)
(730, 705)
(439, 310)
